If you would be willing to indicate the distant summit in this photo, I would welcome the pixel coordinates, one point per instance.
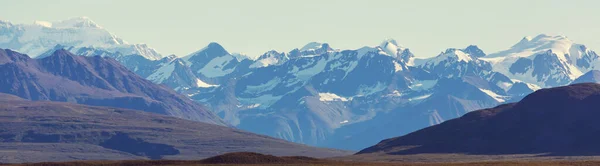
(78, 32)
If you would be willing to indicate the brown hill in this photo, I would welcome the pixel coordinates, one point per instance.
(555, 121)
(39, 131)
(97, 81)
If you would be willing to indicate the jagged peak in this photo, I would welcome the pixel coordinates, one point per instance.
(453, 53)
(214, 44)
(388, 41)
(472, 47)
(391, 48)
(272, 53)
(474, 51)
(62, 52)
(212, 49)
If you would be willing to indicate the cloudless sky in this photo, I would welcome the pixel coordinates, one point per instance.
(253, 27)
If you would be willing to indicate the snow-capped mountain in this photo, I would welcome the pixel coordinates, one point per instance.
(546, 61)
(391, 47)
(212, 62)
(78, 33)
(270, 58)
(458, 63)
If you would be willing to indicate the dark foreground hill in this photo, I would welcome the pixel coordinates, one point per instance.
(97, 81)
(560, 121)
(38, 131)
(254, 159)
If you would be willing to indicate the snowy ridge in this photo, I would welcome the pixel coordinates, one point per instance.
(451, 55)
(557, 60)
(41, 36)
(270, 58)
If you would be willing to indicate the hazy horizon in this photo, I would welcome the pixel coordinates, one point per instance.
(254, 27)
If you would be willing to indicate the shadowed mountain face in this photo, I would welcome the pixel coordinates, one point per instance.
(59, 131)
(558, 121)
(98, 81)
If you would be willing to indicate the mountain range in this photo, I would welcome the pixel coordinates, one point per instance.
(323, 96)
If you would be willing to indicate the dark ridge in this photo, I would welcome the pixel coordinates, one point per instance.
(556, 121)
(257, 158)
(244, 158)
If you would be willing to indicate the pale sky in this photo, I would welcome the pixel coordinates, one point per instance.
(253, 27)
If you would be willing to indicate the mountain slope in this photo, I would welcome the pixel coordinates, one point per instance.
(60, 131)
(591, 76)
(559, 121)
(92, 81)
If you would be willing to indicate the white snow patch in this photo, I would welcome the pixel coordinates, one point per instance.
(202, 84)
(419, 97)
(496, 96)
(331, 97)
(397, 66)
(533, 87)
(43, 23)
(421, 85)
(253, 106)
(395, 93)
